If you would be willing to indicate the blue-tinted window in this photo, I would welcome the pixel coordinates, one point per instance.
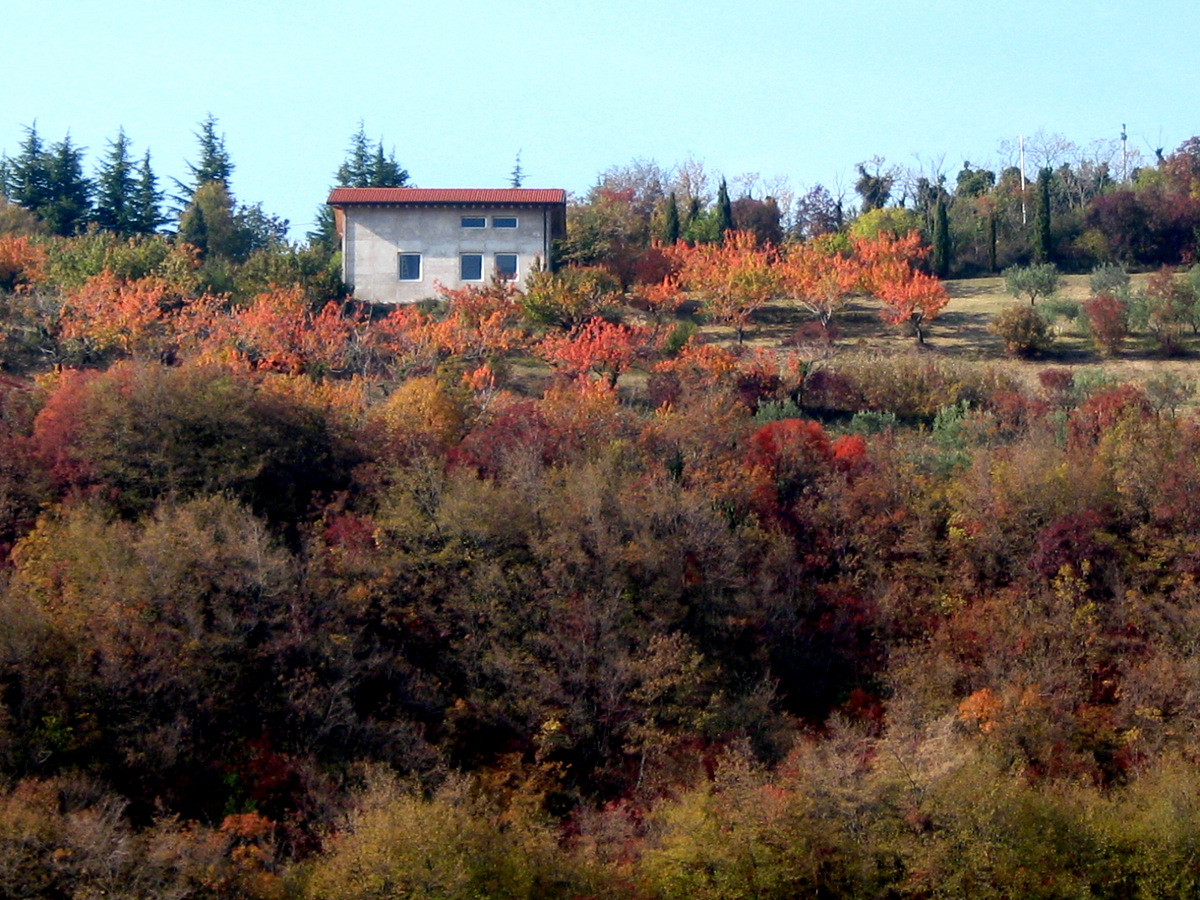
(504, 221)
(471, 267)
(410, 266)
(474, 222)
(506, 266)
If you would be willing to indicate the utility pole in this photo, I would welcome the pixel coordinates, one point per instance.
(1021, 143)
(1124, 155)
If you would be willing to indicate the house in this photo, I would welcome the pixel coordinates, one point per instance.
(398, 243)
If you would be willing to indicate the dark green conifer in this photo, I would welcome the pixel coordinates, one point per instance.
(724, 211)
(1041, 242)
(116, 189)
(671, 229)
(940, 257)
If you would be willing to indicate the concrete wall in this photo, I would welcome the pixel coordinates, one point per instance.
(376, 235)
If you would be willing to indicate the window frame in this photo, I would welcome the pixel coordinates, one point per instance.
(462, 257)
(463, 220)
(497, 219)
(400, 257)
(516, 266)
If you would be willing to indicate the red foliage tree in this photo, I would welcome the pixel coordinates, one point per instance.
(889, 273)
(732, 279)
(596, 346)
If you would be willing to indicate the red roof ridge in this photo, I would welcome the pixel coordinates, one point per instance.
(341, 196)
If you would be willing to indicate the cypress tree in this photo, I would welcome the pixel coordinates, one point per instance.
(724, 211)
(940, 258)
(1041, 244)
(670, 233)
(193, 229)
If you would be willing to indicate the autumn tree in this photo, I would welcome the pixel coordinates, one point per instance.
(731, 280)
(890, 273)
(596, 346)
(820, 277)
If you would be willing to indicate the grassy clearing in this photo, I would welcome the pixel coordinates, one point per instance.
(962, 332)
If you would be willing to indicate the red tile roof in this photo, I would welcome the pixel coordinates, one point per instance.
(344, 196)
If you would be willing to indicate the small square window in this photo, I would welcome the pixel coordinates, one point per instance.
(410, 266)
(474, 222)
(506, 266)
(471, 267)
(504, 221)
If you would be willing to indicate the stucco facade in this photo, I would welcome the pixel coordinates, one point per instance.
(399, 243)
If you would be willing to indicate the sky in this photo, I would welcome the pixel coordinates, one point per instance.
(799, 89)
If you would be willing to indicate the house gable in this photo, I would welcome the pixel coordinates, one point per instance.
(398, 244)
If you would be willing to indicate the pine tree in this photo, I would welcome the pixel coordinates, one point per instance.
(385, 171)
(724, 211)
(518, 174)
(671, 229)
(356, 170)
(940, 257)
(69, 205)
(29, 174)
(366, 165)
(214, 164)
(147, 216)
(116, 188)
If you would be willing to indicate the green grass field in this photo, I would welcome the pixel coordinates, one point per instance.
(962, 332)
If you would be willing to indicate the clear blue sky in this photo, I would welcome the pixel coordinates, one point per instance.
(798, 88)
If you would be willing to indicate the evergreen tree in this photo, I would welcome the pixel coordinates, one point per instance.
(940, 257)
(69, 205)
(518, 174)
(29, 175)
(193, 229)
(146, 216)
(211, 225)
(1041, 242)
(385, 171)
(365, 165)
(214, 163)
(116, 189)
(724, 211)
(671, 228)
(355, 171)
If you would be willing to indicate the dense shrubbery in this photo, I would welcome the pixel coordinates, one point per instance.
(301, 601)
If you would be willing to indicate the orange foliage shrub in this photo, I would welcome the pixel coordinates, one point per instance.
(597, 346)
(111, 314)
(21, 263)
